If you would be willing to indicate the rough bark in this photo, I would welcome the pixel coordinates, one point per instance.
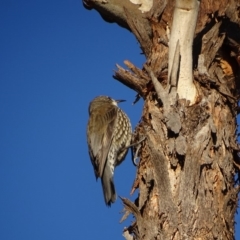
(188, 165)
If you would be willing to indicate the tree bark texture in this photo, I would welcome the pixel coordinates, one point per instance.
(187, 176)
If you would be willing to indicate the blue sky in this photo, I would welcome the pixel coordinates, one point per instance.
(55, 57)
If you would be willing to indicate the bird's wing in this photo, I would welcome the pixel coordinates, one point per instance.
(100, 137)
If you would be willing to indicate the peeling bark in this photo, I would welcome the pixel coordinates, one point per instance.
(188, 160)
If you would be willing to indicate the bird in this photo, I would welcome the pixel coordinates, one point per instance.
(109, 134)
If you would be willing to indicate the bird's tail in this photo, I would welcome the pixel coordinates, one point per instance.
(108, 186)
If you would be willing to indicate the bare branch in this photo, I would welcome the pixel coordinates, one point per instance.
(128, 15)
(130, 80)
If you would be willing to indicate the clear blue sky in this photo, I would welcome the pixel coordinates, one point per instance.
(55, 57)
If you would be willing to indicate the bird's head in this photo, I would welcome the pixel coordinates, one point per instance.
(101, 101)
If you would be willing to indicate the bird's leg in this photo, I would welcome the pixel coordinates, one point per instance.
(134, 157)
(134, 144)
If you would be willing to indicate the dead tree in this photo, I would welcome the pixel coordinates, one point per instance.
(188, 171)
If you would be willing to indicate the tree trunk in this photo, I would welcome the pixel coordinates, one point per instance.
(190, 85)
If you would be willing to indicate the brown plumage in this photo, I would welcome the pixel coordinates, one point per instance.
(108, 135)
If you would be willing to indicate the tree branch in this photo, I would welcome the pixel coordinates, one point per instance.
(130, 80)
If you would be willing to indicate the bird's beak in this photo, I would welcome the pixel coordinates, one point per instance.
(118, 101)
